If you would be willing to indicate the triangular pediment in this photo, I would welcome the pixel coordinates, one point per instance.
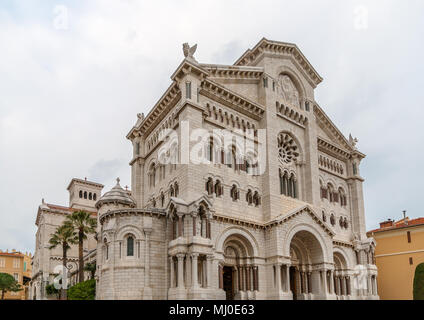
(305, 209)
(328, 131)
(277, 48)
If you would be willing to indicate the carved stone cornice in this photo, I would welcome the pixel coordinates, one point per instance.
(332, 149)
(159, 111)
(187, 67)
(231, 99)
(277, 48)
(128, 212)
(233, 72)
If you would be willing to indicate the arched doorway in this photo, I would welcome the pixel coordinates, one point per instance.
(239, 275)
(306, 281)
(342, 285)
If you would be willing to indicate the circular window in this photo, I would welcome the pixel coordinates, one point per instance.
(287, 149)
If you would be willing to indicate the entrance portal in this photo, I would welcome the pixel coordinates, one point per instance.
(228, 283)
(293, 284)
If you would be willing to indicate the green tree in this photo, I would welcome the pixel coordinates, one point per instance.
(51, 290)
(63, 237)
(83, 291)
(83, 225)
(90, 267)
(419, 282)
(8, 284)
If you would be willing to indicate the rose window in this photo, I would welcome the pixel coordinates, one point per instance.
(287, 149)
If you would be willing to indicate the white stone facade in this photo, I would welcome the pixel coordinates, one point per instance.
(291, 227)
(215, 231)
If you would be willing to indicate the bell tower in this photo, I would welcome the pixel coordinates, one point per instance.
(84, 194)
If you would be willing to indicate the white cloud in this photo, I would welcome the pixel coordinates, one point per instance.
(68, 97)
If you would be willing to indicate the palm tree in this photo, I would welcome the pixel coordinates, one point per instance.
(83, 225)
(90, 267)
(63, 237)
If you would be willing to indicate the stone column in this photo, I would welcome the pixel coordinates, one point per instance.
(180, 258)
(256, 273)
(204, 272)
(147, 233)
(278, 277)
(248, 278)
(209, 270)
(348, 289)
(194, 280)
(324, 281)
(221, 275)
(180, 225)
(208, 229)
(369, 284)
(194, 225)
(308, 282)
(343, 285)
(172, 277)
(332, 282)
(240, 284)
(287, 278)
(316, 282)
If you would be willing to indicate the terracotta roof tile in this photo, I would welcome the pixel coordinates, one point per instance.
(400, 224)
(68, 209)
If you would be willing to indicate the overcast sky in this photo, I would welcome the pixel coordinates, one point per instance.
(74, 74)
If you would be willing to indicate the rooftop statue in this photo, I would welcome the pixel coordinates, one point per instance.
(189, 51)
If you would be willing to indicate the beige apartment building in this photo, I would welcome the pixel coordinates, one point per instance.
(241, 188)
(18, 265)
(399, 250)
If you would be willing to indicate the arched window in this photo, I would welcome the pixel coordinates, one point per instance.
(332, 220)
(210, 150)
(95, 196)
(330, 192)
(176, 190)
(218, 188)
(249, 197)
(341, 222)
(130, 246)
(80, 194)
(324, 217)
(85, 194)
(171, 191)
(235, 194)
(106, 250)
(162, 172)
(342, 196)
(346, 223)
(324, 192)
(154, 203)
(162, 199)
(209, 186)
(90, 196)
(285, 184)
(256, 199)
(292, 186)
(152, 175)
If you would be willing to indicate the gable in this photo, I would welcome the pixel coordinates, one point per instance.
(306, 209)
(276, 48)
(328, 130)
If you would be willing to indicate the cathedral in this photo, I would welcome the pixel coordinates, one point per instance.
(242, 188)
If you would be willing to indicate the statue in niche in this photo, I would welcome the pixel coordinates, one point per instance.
(289, 91)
